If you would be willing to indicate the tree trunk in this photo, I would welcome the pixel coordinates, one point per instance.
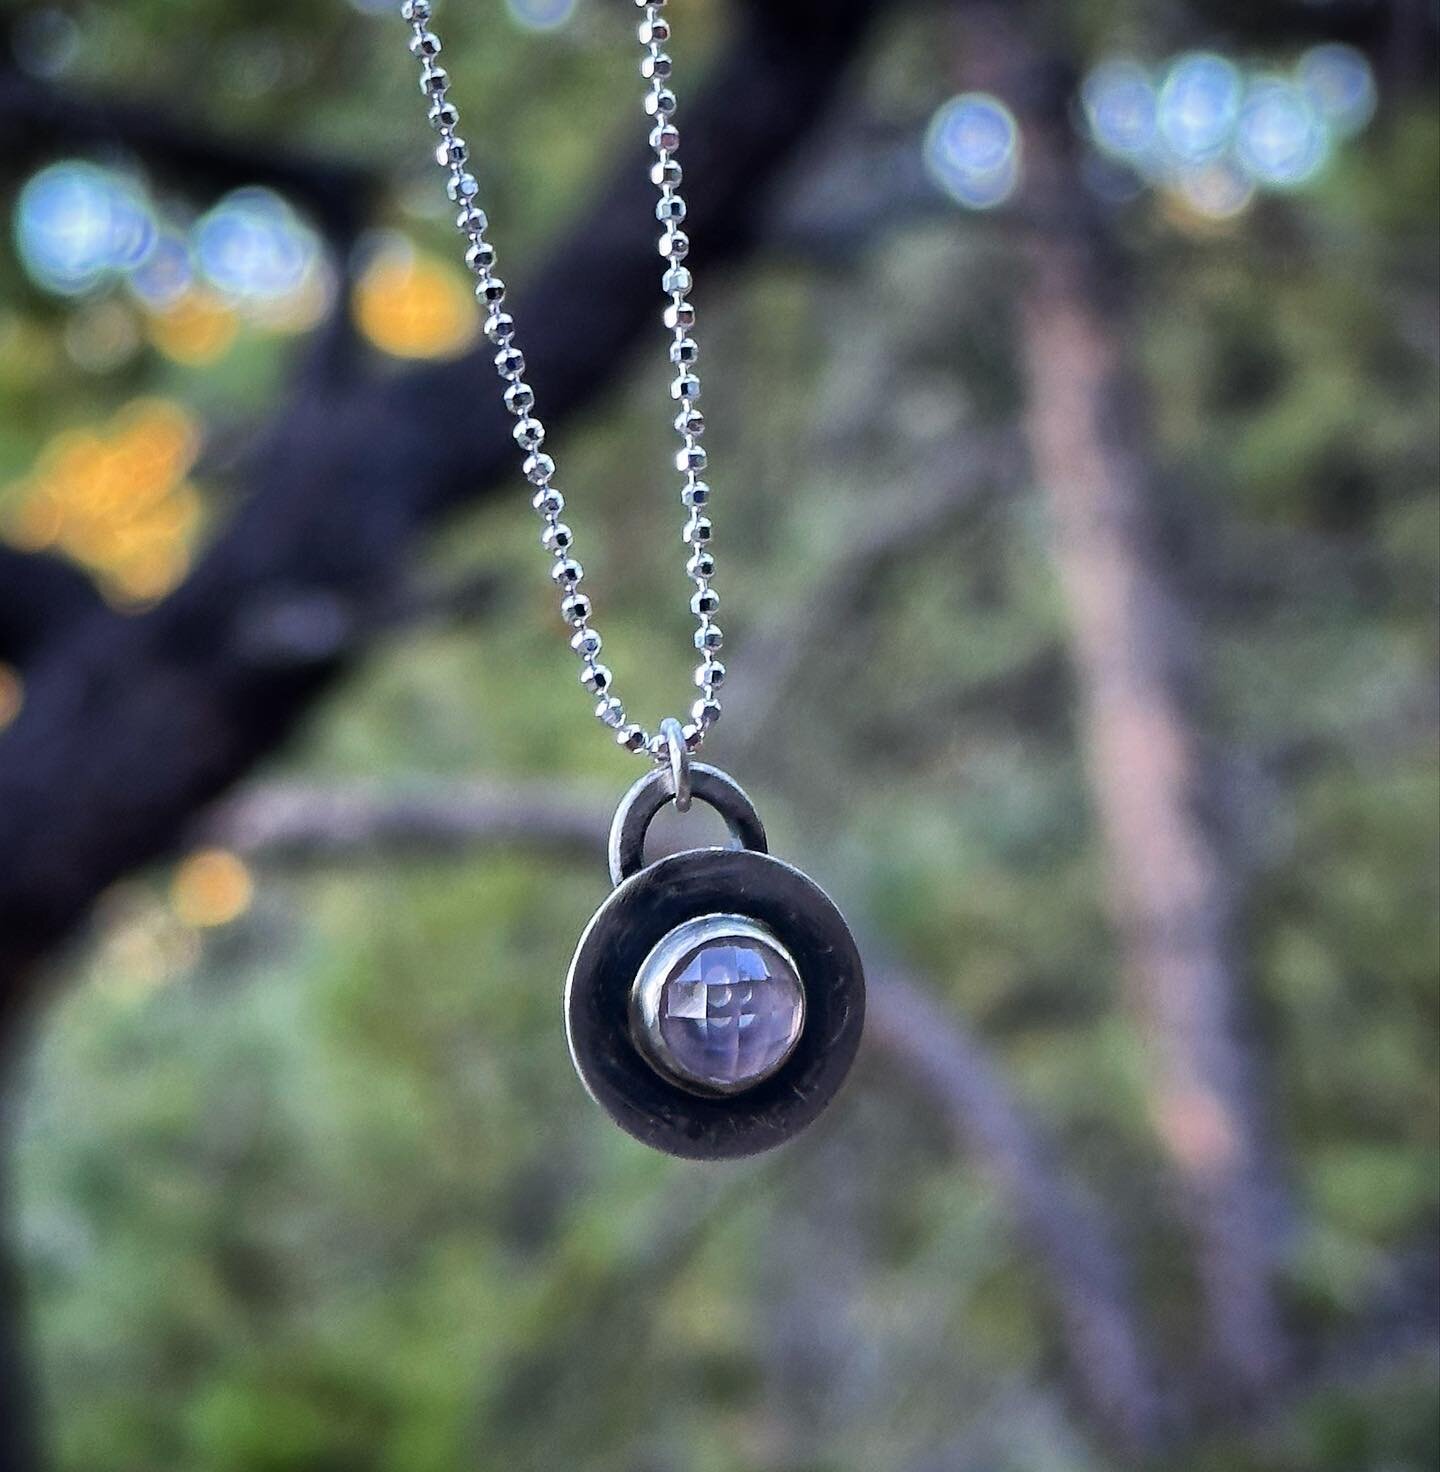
(1134, 657)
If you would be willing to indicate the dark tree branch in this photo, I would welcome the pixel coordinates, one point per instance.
(44, 599)
(130, 726)
(38, 121)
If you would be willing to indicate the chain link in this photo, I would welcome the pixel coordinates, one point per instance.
(452, 154)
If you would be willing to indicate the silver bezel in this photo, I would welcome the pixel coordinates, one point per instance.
(650, 981)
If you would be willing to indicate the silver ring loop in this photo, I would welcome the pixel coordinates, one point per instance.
(652, 792)
(674, 736)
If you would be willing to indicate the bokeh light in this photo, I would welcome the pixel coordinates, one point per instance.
(1121, 106)
(541, 15)
(1340, 84)
(299, 310)
(414, 305)
(197, 328)
(1211, 136)
(252, 245)
(972, 150)
(102, 336)
(144, 946)
(251, 259)
(1280, 139)
(165, 275)
(75, 224)
(211, 887)
(1198, 105)
(116, 500)
(1215, 191)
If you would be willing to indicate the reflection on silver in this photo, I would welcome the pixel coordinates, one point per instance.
(718, 1005)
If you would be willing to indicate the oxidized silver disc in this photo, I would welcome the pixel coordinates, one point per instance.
(677, 1093)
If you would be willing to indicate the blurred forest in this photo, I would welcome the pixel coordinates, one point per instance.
(1071, 381)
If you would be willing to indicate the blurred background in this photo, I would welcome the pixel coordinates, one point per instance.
(1071, 382)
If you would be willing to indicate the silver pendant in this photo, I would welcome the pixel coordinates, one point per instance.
(716, 999)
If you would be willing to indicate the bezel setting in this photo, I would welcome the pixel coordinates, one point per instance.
(687, 942)
(640, 913)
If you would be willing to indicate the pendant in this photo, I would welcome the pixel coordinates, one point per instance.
(716, 999)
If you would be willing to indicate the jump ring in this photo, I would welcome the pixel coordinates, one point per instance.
(679, 762)
(652, 792)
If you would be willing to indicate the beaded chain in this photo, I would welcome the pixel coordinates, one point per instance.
(452, 154)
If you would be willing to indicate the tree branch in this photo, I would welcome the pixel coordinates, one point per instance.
(1066, 1230)
(305, 823)
(44, 600)
(130, 726)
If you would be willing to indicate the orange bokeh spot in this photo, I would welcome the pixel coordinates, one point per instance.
(415, 306)
(211, 887)
(195, 330)
(116, 499)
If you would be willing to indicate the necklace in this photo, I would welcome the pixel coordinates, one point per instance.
(716, 998)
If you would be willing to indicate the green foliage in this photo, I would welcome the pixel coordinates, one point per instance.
(318, 1191)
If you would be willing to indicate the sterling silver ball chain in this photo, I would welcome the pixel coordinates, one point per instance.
(452, 154)
(715, 1001)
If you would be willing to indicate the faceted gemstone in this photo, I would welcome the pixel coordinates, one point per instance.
(727, 1009)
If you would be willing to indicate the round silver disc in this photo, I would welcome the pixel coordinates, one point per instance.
(718, 1005)
(641, 1096)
